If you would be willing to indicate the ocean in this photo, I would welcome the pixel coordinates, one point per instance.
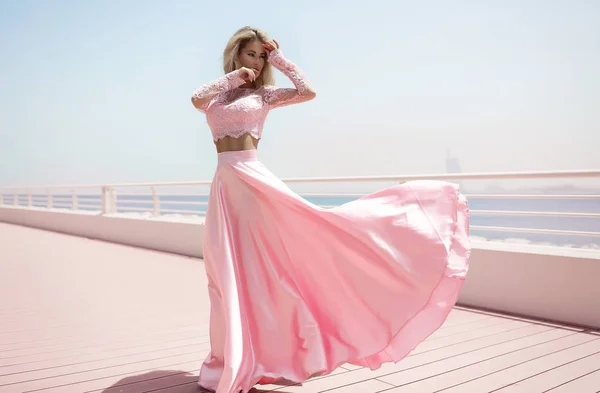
(544, 205)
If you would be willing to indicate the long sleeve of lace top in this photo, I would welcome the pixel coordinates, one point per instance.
(277, 97)
(203, 95)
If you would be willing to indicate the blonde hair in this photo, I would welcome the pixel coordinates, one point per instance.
(236, 43)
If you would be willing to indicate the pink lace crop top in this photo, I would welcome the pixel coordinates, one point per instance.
(234, 111)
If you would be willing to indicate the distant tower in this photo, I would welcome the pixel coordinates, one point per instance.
(453, 166)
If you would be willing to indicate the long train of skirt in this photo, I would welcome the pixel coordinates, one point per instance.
(297, 290)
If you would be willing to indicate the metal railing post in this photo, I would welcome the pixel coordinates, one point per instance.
(74, 200)
(155, 202)
(109, 200)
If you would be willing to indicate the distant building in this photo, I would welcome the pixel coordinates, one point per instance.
(453, 166)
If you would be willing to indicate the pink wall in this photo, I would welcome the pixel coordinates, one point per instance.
(558, 284)
(555, 287)
(173, 237)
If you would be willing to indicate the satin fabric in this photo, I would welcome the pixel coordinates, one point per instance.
(297, 290)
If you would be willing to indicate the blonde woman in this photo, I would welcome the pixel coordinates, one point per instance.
(297, 290)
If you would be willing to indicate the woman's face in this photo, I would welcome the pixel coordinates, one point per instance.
(253, 56)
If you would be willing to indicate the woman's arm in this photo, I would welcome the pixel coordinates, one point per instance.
(276, 97)
(203, 95)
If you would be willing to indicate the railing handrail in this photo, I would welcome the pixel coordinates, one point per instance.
(385, 178)
(116, 198)
(454, 176)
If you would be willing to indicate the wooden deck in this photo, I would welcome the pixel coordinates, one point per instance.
(79, 315)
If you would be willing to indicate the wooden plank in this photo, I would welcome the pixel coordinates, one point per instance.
(368, 386)
(527, 365)
(446, 354)
(589, 383)
(103, 354)
(63, 380)
(461, 363)
(61, 351)
(136, 382)
(549, 379)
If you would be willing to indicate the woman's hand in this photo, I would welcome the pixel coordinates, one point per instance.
(271, 46)
(248, 74)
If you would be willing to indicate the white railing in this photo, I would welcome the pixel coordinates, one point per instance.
(159, 198)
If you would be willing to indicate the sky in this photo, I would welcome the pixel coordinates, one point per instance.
(99, 91)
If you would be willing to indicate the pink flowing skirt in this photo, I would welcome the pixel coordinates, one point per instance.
(297, 290)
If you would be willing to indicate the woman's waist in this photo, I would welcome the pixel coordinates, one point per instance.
(245, 141)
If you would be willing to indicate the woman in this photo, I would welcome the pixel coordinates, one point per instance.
(297, 290)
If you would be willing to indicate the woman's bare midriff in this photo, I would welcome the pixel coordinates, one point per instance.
(244, 142)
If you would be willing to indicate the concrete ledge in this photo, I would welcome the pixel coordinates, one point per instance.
(561, 288)
(174, 236)
(553, 283)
